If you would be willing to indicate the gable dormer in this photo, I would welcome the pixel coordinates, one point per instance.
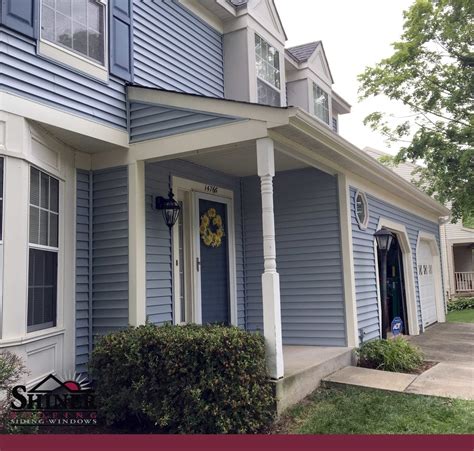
(254, 58)
(309, 83)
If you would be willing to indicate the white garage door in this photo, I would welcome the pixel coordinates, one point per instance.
(426, 283)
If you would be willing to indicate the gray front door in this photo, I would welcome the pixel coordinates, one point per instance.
(214, 262)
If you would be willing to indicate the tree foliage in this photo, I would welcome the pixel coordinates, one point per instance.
(431, 73)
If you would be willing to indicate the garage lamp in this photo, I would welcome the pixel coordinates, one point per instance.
(384, 240)
(169, 208)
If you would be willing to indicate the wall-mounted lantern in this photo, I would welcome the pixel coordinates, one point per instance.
(169, 207)
(384, 241)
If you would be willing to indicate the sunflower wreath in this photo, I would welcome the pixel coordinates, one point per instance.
(211, 228)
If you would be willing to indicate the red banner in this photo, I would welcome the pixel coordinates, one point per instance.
(231, 443)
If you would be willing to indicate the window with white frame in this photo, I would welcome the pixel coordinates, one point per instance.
(268, 73)
(43, 250)
(1, 199)
(321, 103)
(361, 210)
(76, 25)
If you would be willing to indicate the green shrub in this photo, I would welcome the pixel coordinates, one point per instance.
(183, 379)
(11, 372)
(395, 354)
(460, 304)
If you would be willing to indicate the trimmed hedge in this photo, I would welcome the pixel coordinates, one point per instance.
(183, 379)
(460, 304)
(395, 354)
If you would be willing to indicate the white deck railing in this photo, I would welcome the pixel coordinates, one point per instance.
(464, 281)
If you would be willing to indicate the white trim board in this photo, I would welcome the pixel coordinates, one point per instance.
(347, 262)
(52, 116)
(408, 273)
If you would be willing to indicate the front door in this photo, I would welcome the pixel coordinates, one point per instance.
(212, 262)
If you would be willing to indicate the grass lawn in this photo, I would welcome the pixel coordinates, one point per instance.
(352, 410)
(461, 316)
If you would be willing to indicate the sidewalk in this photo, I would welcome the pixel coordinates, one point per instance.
(450, 344)
(444, 379)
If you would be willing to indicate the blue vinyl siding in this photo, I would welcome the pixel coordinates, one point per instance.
(83, 272)
(158, 239)
(309, 260)
(152, 122)
(175, 50)
(110, 250)
(365, 261)
(26, 74)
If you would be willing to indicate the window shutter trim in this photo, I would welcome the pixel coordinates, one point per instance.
(21, 16)
(120, 39)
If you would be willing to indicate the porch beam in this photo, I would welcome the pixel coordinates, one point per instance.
(270, 276)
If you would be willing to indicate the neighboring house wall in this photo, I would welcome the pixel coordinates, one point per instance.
(463, 259)
(176, 50)
(159, 281)
(308, 247)
(24, 73)
(365, 258)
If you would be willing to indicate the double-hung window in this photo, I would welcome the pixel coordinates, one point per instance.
(77, 26)
(268, 73)
(321, 103)
(43, 250)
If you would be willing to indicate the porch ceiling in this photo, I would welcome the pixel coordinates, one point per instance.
(241, 160)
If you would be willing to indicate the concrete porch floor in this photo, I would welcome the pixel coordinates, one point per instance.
(305, 366)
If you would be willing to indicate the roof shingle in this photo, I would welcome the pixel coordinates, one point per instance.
(302, 53)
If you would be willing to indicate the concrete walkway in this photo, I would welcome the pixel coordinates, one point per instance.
(450, 344)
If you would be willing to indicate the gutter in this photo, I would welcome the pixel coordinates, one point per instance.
(357, 157)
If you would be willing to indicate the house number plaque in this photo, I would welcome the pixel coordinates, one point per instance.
(211, 189)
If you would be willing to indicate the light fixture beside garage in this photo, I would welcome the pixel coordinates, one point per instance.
(169, 208)
(384, 239)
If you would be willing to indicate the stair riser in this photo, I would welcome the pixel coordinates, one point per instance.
(290, 390)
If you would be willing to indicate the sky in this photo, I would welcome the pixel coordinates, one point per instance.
(355, 34)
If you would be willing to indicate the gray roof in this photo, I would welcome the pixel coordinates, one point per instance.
(302, 53)
(238, 3)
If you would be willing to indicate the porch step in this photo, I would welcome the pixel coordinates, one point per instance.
(305, 367)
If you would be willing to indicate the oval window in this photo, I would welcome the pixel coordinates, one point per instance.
(362, 210)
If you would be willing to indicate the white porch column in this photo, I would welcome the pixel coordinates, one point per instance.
(270, 277)
(136, 241)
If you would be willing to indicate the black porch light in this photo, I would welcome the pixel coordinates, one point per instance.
(384, 240)
(169, 208)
